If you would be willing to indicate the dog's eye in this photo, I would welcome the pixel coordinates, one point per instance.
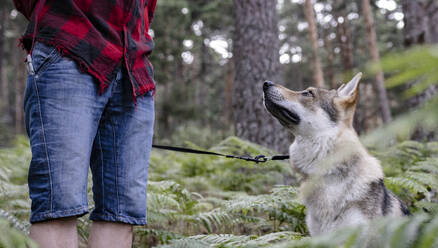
(308, 93)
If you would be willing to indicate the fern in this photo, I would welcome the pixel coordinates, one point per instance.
(187, 243)
(10, 237)
(215, 202)
(229, 240)
(407, 183)
(428, 207)
(213, 219)
(16, 223)
(416, 231)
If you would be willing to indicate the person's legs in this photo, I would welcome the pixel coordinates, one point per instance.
(58, 233)
(62, 111)
(105, 234)
(119, 165)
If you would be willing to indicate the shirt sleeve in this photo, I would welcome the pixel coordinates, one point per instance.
(25, 7)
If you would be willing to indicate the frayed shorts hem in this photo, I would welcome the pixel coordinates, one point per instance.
(118, 218)
(45, 216)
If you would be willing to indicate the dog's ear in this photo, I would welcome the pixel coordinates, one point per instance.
(348, 93)
(346, 99)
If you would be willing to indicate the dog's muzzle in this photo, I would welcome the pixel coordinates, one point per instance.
(272, 98)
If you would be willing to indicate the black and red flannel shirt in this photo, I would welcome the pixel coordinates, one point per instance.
(100, 35)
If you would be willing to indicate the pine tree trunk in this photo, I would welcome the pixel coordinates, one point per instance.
(201, 91)
(3, 84)
(19, 91)
(255, 51)
(420, 19)
(330, 61)
(343, 34)
(229, 82)
(313, 37)
(344, 38)
(379, 83)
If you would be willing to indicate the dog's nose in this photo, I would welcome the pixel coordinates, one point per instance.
(267, 84)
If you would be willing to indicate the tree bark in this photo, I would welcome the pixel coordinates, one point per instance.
(343, 34)
(313, 37)
(256, 46)
(229, 82)
(330, 61)
(201, 89)
(379, 82)
(19, 91)
(3, 84)
(344, 38)
(420, 19)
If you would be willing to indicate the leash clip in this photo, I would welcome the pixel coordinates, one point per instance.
(256, 159)
(260, 159)
(29, 65)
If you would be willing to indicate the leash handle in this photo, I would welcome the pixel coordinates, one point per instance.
(257, 159)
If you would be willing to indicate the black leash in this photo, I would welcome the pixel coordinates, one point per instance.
(256, 159)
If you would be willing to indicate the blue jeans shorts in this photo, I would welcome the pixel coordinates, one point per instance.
(72, 128)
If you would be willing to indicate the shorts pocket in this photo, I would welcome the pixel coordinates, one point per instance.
(43, 56)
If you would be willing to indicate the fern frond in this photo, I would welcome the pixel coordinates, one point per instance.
(428, 207)
(17, 224)
(212, 219)
(406, 183)
(186, 243)
(424, 178)
(430, 165)
(429, 237)
(10, 237)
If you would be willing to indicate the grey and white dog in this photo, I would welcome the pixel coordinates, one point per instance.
(342, 183)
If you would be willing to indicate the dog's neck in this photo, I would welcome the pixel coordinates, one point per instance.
(307, 151)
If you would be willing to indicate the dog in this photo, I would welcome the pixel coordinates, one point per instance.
(342, 183)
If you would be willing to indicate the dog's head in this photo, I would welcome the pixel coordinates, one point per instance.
(313, 110)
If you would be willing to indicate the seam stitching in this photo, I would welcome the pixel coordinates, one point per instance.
(102, 173)
(44, 142)
(115, 163)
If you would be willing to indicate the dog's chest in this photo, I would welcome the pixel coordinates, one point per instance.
(324, 199)
(328, 203)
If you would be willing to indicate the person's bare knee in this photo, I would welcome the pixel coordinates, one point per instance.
(55, 233)
(110, 234)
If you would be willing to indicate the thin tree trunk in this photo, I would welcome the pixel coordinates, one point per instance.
(19, 90)
(255, 50)
(229, 81)
(420, 19)
(344, 39)
(375, 58)
(3, 84)
(343, 34)
(203, 72)
(330, 61)
(313, 37)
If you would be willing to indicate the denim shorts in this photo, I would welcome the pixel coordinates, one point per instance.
(72, 128)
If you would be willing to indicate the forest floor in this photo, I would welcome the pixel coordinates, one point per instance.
(207, 201)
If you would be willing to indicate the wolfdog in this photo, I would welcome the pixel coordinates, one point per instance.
(342, 183)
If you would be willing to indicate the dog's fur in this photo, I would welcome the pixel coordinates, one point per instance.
(342, 184)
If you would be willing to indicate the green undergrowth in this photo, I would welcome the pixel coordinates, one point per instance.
(208, 201)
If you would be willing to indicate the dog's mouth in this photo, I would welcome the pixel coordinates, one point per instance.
(284, 115)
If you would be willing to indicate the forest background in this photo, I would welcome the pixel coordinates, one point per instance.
(211, 58)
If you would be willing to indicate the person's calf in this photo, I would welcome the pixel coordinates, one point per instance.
(110, 234)
(57, 233)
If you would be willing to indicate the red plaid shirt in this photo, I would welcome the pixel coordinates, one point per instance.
(100, 35)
